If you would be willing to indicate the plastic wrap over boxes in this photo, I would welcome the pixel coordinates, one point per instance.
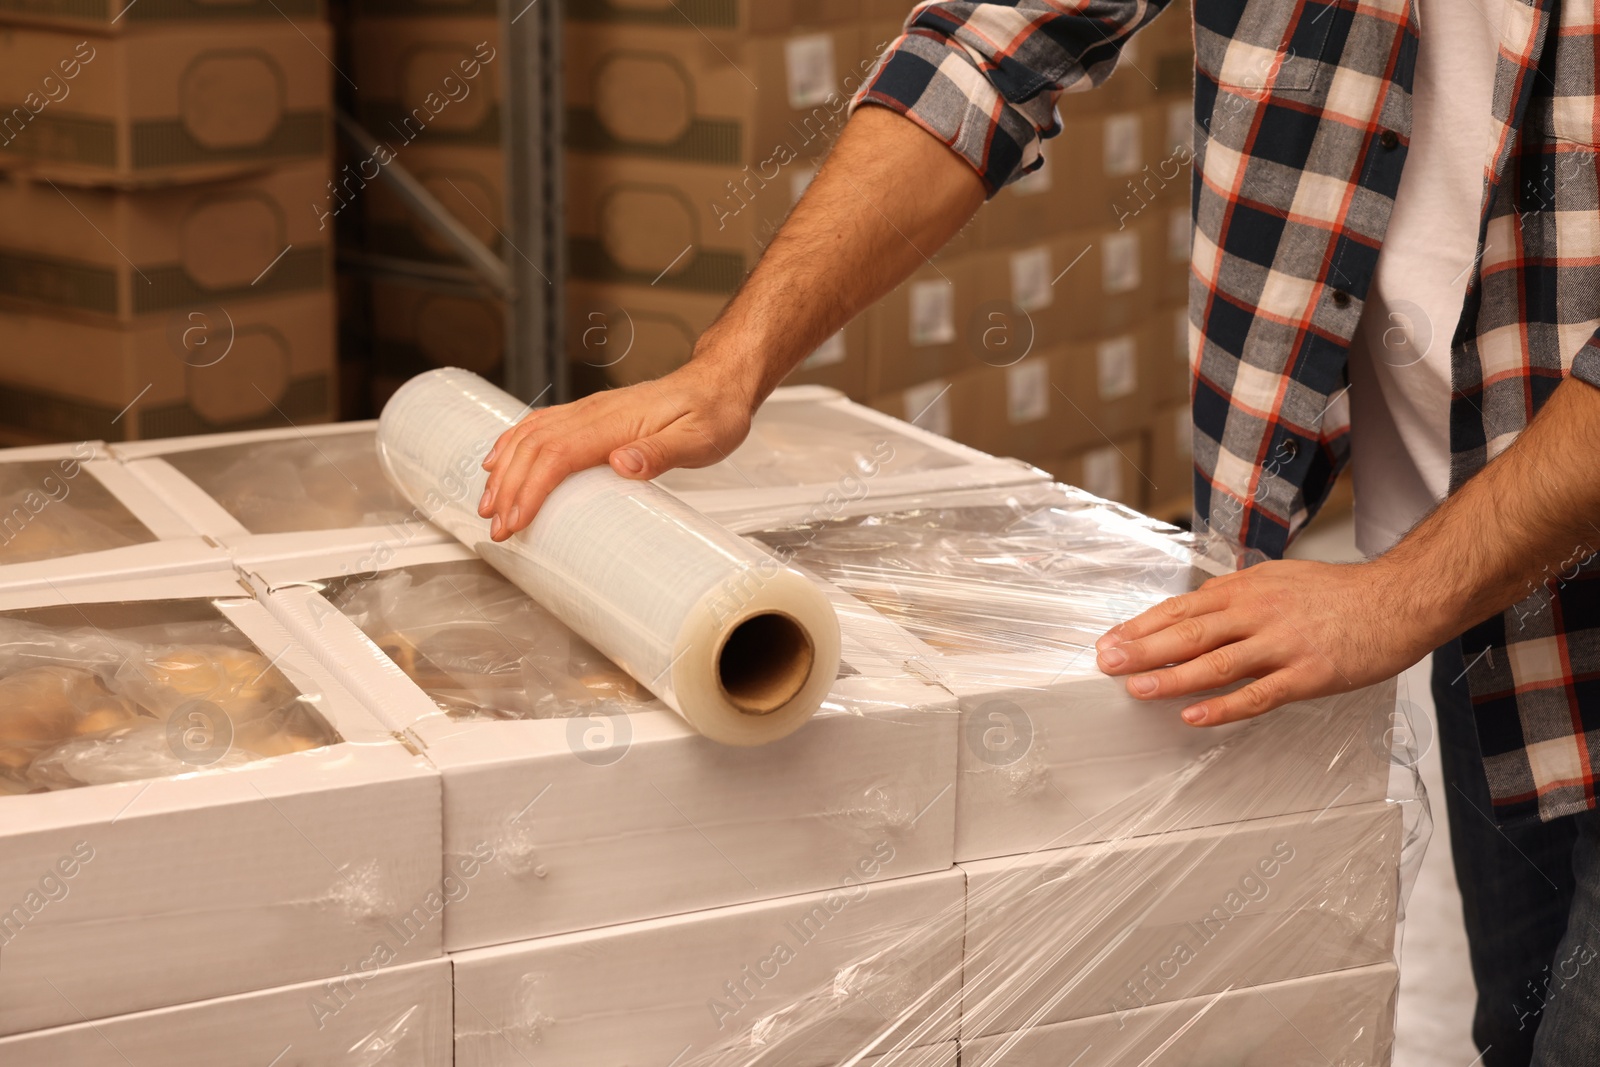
(447, 830)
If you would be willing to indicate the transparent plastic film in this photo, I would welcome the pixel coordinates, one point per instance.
(325, 482)
(1036, 569)
(1128, 890)
(55, 508)
(804, 442)
(741, 646)
(112, 693)
(1264, 941)
(482, 648)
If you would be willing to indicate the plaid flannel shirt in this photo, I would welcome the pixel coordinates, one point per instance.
(1303, 116)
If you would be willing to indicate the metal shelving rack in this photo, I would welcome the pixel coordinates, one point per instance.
(529, 277)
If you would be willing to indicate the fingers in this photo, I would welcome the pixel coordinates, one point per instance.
(681, 444)
(1246, 702)
(1208, 598)
(1183, 640)
(499, 459)
(1229, 663)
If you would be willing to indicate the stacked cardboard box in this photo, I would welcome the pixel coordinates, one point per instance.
(1059, 335)
(164, 256)
(1045, 330)
(431, 78)
(691, 131)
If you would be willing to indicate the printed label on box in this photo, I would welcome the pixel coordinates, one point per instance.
(1124, 144)
(1180, 127)
(933, 312)
(1119, 262)
(1117, 361)
(1027, 391)
(1037, 181)
(827, 353)
(928, 406)
(1178, 235)
(1102, 472)
(809, 61)
(1183, 431)
(1030, 279)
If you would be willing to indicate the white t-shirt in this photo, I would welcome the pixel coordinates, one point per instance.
(1400, 361)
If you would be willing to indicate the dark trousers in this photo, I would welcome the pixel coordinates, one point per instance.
(1531, 900)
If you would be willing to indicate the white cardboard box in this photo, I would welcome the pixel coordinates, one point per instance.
(810, 447)
(606, 818)
(275, 493)
(1344, 1018)
(72, 515)
(998, 595)
(797, 974)
(215, 882)
(1111, 928)
(398, 1015)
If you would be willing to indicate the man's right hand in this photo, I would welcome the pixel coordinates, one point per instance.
(888, 196)
(693, 417)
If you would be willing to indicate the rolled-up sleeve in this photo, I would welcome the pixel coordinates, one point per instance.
(984, 78)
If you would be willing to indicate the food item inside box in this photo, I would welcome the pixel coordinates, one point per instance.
(482, 648)
(795, 443)
(104, 693)
(322, 482)
(46, 514)
(1027, 569)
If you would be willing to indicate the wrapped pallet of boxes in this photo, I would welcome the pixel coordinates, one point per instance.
(1134, 888)
(165, 247)
(182, 783)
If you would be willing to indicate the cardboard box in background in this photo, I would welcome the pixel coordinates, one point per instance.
(927, 328)
(718, 17)
(1173, 286)
(428, 81)
(467, 180)
(1103, 169)
(1059, 399)
(1115, 470)
(1166, 50)
(671, 224)
(674, 93)
(1171, 462)
(189, 103)
(243, 365)
(119, 254)
(102, 17)
(415, 329)
(624, 334)
(1170, 328)
(1077, 286)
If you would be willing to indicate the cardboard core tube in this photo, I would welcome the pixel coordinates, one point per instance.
(764, 663)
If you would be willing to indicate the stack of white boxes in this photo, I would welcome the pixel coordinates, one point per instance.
(979, 847)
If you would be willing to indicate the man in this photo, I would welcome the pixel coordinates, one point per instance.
(1458, 137)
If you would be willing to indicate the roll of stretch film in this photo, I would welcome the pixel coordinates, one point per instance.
(743, 647)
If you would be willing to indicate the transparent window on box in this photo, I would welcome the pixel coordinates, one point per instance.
(47, 514)
(102, 693)
(326, 482)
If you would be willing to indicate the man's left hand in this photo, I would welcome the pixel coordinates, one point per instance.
(1300, 630)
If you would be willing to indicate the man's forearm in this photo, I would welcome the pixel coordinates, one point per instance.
(1530, 512)
(887, 198)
